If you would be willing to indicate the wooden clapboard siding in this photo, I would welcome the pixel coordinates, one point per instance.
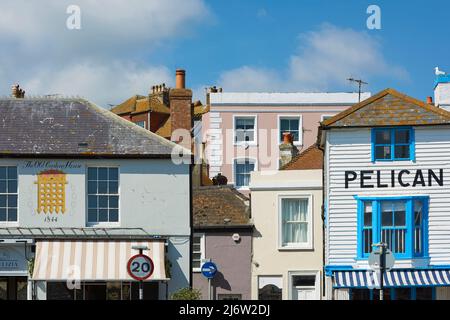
(350, 149)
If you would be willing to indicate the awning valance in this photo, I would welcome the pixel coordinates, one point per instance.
(394, 278)
(93, 260)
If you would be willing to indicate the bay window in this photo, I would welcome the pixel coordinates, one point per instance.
(401, 223)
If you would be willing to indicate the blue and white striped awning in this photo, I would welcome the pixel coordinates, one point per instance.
(395, 278)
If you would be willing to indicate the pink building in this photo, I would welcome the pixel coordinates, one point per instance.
(243, 130)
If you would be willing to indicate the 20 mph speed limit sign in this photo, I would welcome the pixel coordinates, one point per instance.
(140, 267)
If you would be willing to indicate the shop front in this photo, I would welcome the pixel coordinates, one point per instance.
(14, 257)
(386, 183)
(79, 269)
(406, 284)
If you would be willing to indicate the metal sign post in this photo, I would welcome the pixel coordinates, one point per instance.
(381, 261)
(140, 267)
(209, 270)
(382, 270)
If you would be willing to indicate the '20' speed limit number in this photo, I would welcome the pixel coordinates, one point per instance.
(140, 267)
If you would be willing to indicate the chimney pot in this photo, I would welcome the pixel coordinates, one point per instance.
(287, 149)
(429, 100)
(17, 92)
(287, 137)
(180, 79)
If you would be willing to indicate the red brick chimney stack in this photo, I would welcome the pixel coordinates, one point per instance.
(180, 101)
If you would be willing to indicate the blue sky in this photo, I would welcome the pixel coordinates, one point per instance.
(124, 48)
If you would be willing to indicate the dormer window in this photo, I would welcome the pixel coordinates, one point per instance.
(392, 144)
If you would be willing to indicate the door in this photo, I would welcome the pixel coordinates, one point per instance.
(304, 286)
(300, 293)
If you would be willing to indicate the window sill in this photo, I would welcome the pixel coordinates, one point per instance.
(296, 143)
(393, 160)
(245, 144)
(9, 223)
(296, 248)
(397, 258)
(102, 224)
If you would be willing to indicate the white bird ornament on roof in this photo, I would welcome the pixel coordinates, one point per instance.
(439, 72)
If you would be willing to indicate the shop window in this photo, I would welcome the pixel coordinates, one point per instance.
(295, 222)
(400, 223)
(103, 195)
(398, 293)
(198, 251)
(8, 194)
(291, 124)
(390, 144)
(60, 291)
(244, 129)
(242, 170)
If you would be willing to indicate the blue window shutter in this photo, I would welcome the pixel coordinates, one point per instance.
(359, 223)
(409, 238)
(373, 144)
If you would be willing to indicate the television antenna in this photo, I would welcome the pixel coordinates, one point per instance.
(360, 83)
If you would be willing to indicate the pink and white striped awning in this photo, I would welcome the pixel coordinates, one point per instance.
(93, 260)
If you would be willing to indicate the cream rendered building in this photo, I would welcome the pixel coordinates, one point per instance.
(288, 243)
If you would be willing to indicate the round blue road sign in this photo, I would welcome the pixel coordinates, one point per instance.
(209, 269)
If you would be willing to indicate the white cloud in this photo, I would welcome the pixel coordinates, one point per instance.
(324, 60)
(107, 60)
(108, 83)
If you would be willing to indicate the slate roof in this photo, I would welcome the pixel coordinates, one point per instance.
(389, 108)
(73, 127)
(213, 204)
(310, 159)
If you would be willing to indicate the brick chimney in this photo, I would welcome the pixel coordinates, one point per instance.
(287, 149)
(180, 100)
(17, 92)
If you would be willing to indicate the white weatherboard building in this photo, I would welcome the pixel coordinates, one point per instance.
(387, 178)
(79, 188)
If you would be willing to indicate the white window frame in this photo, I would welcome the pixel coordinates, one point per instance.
(103, 223)
(299, 246)
(233, 169)
(292, 273)
(300, 127)
(255, 134)
(17, 221)
(326, 115)
(202, 250)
